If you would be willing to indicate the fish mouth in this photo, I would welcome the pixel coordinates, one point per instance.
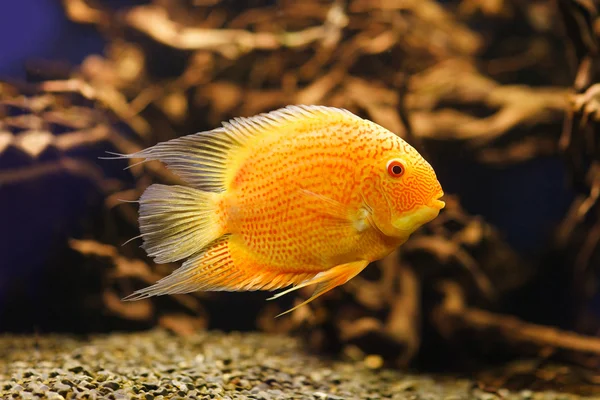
(437, 203)
(420, 215)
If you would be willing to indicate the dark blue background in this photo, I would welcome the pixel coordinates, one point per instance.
(39, 29)
(34, 218)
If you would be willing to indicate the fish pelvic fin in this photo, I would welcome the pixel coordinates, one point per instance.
(326, 281)
(222, 266)
(177, 221)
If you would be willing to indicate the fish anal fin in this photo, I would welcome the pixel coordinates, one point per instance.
(326, 281)
(222, 266)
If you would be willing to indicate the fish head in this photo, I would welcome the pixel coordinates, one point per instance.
(404, 191)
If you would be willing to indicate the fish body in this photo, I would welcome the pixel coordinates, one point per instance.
(300, 196)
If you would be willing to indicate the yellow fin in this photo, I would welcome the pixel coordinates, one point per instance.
(177, 221)
(193, 274)
(214, 269)
(201, 159)
(326, 281)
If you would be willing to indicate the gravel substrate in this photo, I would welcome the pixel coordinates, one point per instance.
(157, 365)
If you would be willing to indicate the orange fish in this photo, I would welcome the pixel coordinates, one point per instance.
(299, 196)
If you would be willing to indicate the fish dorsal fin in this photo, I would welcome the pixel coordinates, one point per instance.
(201, 159)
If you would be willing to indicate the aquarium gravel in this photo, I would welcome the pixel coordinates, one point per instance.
(209, 365)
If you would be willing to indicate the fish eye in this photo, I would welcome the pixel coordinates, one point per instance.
(395, 168)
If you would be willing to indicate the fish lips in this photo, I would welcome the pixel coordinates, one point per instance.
(420, 215)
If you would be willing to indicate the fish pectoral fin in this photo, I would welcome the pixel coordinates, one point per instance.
(341, 213)
(326, 281)
(325, 205)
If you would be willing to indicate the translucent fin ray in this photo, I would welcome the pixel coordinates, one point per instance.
(201, 159)
(213, 269)
(326, 206)
(176, 221)
(326, 281)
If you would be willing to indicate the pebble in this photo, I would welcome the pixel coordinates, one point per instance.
(156, 365)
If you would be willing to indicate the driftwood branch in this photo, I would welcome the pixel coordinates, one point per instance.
(454, 318)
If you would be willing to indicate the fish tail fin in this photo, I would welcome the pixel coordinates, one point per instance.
(326, 281)
(178, 221)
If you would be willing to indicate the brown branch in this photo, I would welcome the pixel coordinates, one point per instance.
(133, 310)
(518, 152)
(128, 268)
(76, 167)
(457, 82)
(430, 17)
(453, 316)
(107, 95)
(404, 320)
(231, 43)
(445, 250)
(80, 11)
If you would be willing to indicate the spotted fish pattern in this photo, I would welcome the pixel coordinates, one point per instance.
(304, 195)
